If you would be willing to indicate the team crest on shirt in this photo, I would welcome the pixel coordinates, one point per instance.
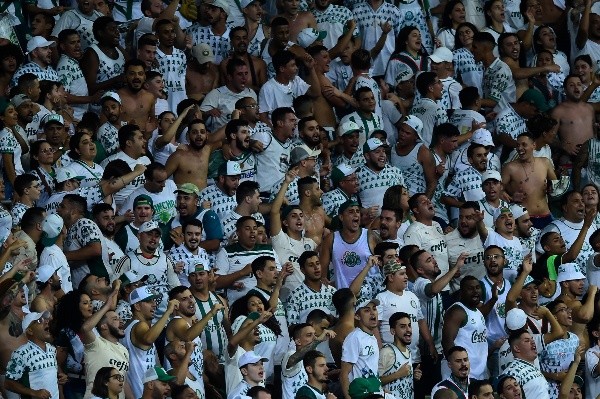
(501, 309)
(413, 303)
(307, 247)
(350, 259)
(409, 16)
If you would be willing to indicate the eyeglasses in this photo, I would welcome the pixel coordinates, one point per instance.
(493, 257)
(118, 377)
(50, 150)
(251, 106)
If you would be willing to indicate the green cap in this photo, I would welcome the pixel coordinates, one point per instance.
(188, 188)
(348, 204)
(360, 388)
(392, 267)
(157, 373)
(536, 98)
(143, 199)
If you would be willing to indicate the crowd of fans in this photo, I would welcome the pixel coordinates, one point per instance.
(362, 199)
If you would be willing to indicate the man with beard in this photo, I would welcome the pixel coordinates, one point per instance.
(427, 287)
(315, 367)
(137, 104)
(289, 236)
(365, 115)
(97, 288)
(394, 297)
(143, 210)
(345, 185)
(466, 185)
(190, 165)
(190, 253)
(141, 334)
(569, 226)
(526, 181)
(389, 224)
(25, 109)
(221, 195)
(572, 284)
(311, 206)
(235, 260)
(157, 384)
(238, 37)
(71, 74)
(108, 132)
(458, 381)
(465, 239)
(104, 216)
(303, 162)
(32, 369)
(575, 119)
(522, 369)
(187, 328)
(217, 33)
(248, 108)
(132, 149)
(49, 289)
(237, 134)
(171, 61)
(395, 359)
(149, 260)
(248, 202)
(527, 234)
(465, 325)
(376, 176)
(40, 64)
(348, 249)
(553, 362)
(219, 103)
(188, 207)
(104, 62)
(160, 190)
(351, 153)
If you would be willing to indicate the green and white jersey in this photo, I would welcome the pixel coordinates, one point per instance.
(219, 44)
(593, 166)
(265, 348)
(234, 257)
(47, 73)
(17, 212)
(173, 67)
(246, 159)
(496, 319)
(431, 307)
(374, 184)
(303, 300)
(140, 360)
(82, 23)
(309, 392)
(513, 252)
(530, 378)
(293, 378)
(510, 123)
(499, 85)
(469, 72)
(108, 137)
(289, 250)
(466, 184)
(489, 210)
(34, 367)
(223, 99)
(291, 193)
(163, 202)
(283, 340)
(357, 159)
(214, 337)
(431, 114)
(183, 254)
(221, 203)
(333, 20)
(10, 145)
(333, 199)
(71, 76)
(365, 80)
(84, 232)
(93, 174)
(367, 123)
(391, 359)
(229, 224)
(362, 350)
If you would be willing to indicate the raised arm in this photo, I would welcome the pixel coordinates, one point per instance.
(515, 289)
(278, 202)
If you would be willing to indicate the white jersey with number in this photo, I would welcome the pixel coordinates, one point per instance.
(362, 351)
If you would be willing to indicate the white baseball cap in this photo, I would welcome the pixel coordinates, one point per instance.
(415, 123)
(110, 95)
(491, 174)
(308, 36)
(230, 168)
(517, 210)
(65, 173)
(44, 272)
(141, 294)
(595, 9)
(349, 127)
(515, 319)
(37, 42)
(569, 272)
(441, 54)
(149, 226)
(483, 137)
(203, 53)
(33, 316)
(51, 228)
(250, 357)
(363, 302)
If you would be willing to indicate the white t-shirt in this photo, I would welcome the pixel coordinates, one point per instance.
(224, 100)
(513, 252)
(289, 250)
(432, 239)
(164, 203)
(592, 384)
(121, 196)
(275, 95)
(361, 349)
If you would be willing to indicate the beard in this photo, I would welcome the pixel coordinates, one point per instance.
(115, 332)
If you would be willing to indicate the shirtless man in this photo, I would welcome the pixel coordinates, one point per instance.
(314, 215)
(298, 19)
(201, 75)
(239, 43)
(525, 179)
(571, 281)
(191, 165)
(575, 119)
(509, 47)
(11, 332)
(137, 104)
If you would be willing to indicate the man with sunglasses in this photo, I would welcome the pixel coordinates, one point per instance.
(32, 369)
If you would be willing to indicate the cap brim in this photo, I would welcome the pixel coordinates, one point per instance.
(151, 297)
(435, 59)
(322, 35)
(166, 378)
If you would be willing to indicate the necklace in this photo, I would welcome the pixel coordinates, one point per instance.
(525, 171)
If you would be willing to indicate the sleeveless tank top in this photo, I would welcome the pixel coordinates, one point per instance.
(402, 387)
(497, 317)
(473, 337)
(107, 67)
(214, 337)
(411, 168)
(348, 259)
(140, 360)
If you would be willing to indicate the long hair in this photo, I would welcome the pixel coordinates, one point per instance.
(240, 308)
(457, 42)
(67, 313)
(99, 387)
(446, 21)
